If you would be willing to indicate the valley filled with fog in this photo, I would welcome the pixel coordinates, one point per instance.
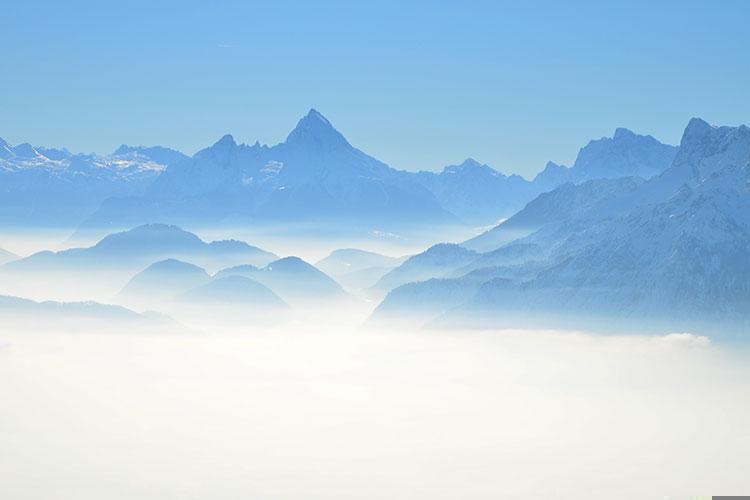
(337, 250)
(144, 390)
(302, 321)
(317, 410)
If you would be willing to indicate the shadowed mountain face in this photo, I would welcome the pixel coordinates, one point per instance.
(671, 251)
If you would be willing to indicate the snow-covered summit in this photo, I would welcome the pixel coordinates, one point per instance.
(53, 186)
(157, 154)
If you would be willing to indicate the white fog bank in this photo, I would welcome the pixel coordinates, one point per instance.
(310, 414)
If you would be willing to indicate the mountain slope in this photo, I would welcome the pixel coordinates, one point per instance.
(563, 203)
(606, 166)
(435, 262)
(667, 253)
(676, 256)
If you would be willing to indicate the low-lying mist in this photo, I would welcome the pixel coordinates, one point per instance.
(139, 375)
(318, 409)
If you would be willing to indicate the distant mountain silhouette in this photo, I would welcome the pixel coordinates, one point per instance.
(296, 281)
(357, 269)
(314, 178)
(141, 246)
(22, 313)
(163, 280)
(477, 193)
(314, 175)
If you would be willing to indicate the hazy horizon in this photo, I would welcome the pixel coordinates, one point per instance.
(528, 175)
(420, 88)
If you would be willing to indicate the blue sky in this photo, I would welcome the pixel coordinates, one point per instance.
(417, 84)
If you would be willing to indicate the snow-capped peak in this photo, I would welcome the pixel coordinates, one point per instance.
(158, 154)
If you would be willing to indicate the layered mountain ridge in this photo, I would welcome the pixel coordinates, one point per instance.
(671, 250)
(314, 176)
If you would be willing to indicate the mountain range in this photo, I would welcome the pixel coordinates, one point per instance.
(357, 269)
(56, 316)
(55, 188)
(634, 232)
(293, 279)
(670, 251)
(314, 177)
(102, 269)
